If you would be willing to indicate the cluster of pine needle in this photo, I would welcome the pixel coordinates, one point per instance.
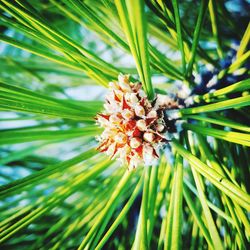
(57, 59)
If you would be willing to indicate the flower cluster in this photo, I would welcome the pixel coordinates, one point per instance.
(133, 126)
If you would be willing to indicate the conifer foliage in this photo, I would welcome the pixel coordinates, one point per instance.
(162, 86)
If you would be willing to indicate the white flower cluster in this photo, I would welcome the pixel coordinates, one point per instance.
(133, 126)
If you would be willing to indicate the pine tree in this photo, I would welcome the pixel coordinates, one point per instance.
(59, 59)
